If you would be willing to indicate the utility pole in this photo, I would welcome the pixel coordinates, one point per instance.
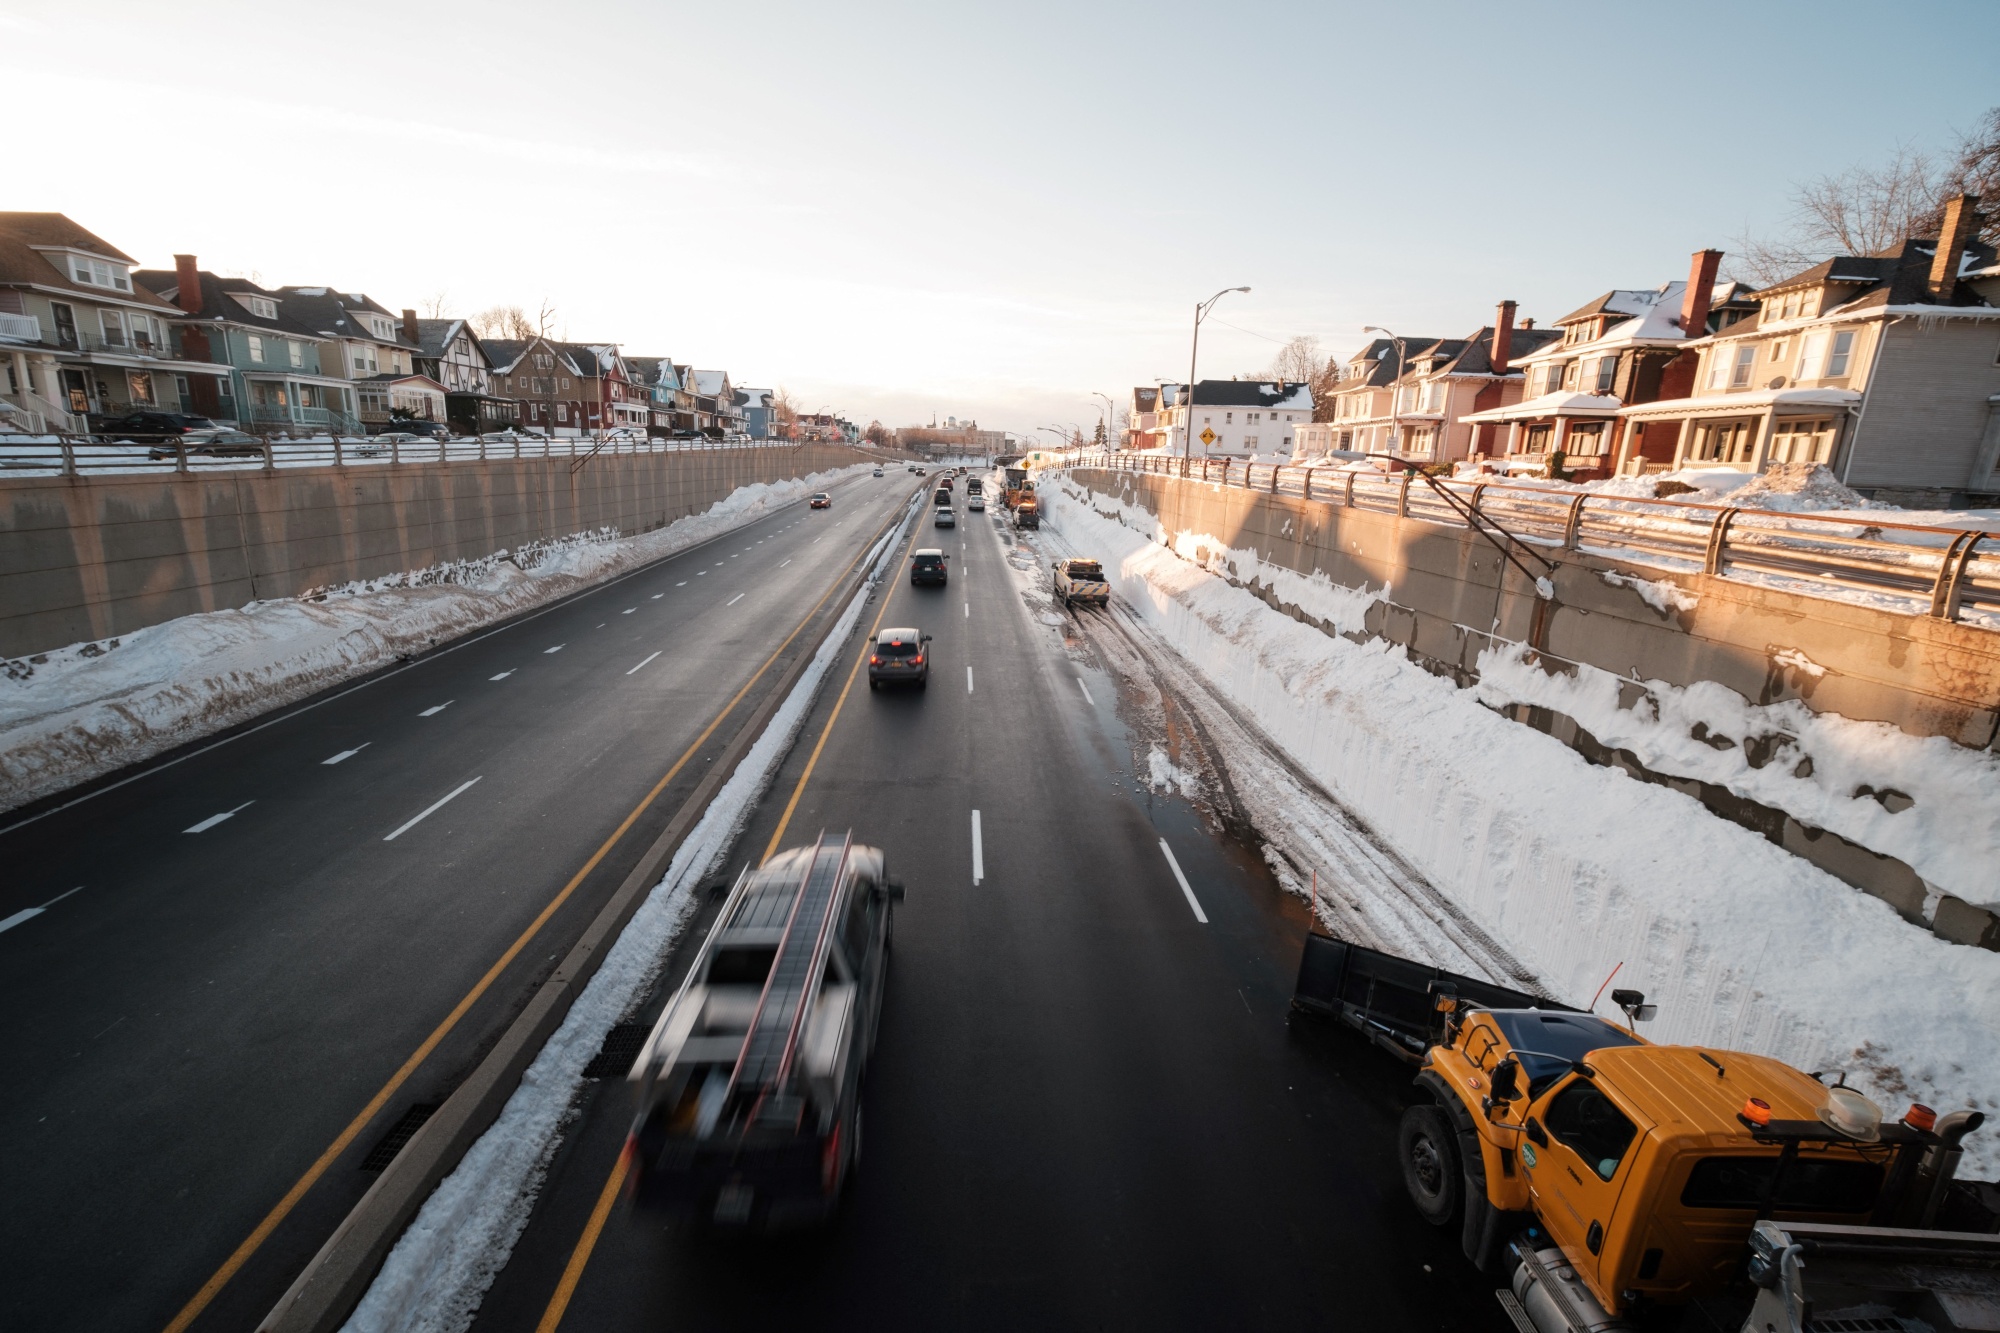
(1187, 408)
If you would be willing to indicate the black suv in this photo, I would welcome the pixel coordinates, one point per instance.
(927, 566)
(146, 427)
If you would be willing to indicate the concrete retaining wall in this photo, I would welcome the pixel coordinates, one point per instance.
(90, 557)
(1451, 594)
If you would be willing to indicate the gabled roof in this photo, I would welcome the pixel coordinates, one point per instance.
(708, 383)
(21, 264)
(1899, 275)
(1380, 358)
(435, 335)
(340, 314)
(506, 353)
(219, 303)
(648, 370)
(1145, 398)
(1278, 395)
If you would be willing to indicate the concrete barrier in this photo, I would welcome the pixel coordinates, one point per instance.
(88, 557)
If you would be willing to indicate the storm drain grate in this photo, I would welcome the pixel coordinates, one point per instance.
(400, 1133)
(621, 1048)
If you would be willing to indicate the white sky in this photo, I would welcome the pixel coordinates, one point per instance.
(986, 211)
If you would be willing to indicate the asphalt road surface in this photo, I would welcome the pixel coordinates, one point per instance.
(242, 951)
(1087, 1107)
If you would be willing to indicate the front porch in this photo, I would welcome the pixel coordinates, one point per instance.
(298, 404)
(1744, 432)
(1570, 432)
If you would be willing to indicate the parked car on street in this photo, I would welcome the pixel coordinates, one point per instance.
(146, 427)
(415, 426)
(821, 500)
(215, 442)
(899, 658)
(927, 566)
(945, 519)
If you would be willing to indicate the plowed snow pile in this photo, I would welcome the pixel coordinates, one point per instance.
(71, 715)
(1576, 868)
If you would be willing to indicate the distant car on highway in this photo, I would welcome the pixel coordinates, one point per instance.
(941, 498)
(945, 519)
(749, 1085)
(821, 500)
(928, 566)
(1081, 581)
(944, 482)
(899, 658)
(976, 503)
(878, 471)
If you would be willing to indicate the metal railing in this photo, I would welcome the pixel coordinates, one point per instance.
(82, 456)
(1907, 567)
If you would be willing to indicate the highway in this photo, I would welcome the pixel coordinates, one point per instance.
(252, 958)
(1087, 1107)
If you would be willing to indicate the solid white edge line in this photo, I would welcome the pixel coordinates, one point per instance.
(644, 663)
(1199, 915)
(978, 856)
(25, 914)
(1086, 692)
(734, 600)
(460, 790)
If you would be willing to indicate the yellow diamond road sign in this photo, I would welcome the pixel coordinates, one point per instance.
(1207, 436)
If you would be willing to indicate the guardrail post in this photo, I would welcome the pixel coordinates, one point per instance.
(1951, 574)
(1309, 483)
(339, 458)
(1575, 523)
(1478, 489)
(1403, 495)
(68, 457)
(395, 452)
(270, 462)
(1718, 542)
(1349, 501)
(1275, 469)
(180, 458)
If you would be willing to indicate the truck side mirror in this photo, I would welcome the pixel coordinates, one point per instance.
(1634, 1004)
(1506, 1080)
(892, 889)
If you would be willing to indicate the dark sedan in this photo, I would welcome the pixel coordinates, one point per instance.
(928, 566)
(146, 427)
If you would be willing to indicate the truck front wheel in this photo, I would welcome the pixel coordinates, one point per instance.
(1429, 1153)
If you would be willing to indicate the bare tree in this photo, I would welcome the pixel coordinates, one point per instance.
(879, 435)
(1301, 361)
(504, 321)
(1867, 209)
(436, 304)
(783, 407)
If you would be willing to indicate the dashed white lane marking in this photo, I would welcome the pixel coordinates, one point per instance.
(209, 823)
(734, 600)
(978, 856)
(628, 610)
(644, 663)
(346, 754)
(1199, 915)
(786, 561)
(30, 913)
(435, 709)
(968, 610)
(734, 554)
(699, 572)
(682, 584)
(658, 595)
(433, 808)
(503, 675)
(968, 680)
(558, 648)
(1086, 692)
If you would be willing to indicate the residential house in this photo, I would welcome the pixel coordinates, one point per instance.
(1240, 417)
(715, 405)
(1886, 367)
(1436, 405)
(540, 376)
(78, 337)
(1143, 426)
(452, 355)
(611, 397)
(754, 405)
(368, 346)
(1626, 347)
(275, 380)
(656, 379)
(1363, 417)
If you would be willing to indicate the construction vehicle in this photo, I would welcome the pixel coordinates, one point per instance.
(1081, 581)
(1018, 486)
(749, 1085)
(1028, 512)
(1621, 1179)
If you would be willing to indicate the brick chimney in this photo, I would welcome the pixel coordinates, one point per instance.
(1503, 338)
(1700, 291)
(1961, 220)
(410, 327)
(1528, 323)
(187, 284)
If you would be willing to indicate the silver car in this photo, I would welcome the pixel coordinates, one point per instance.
(945, 519)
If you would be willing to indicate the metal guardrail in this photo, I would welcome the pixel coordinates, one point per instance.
(1939, 572)
(82, 456)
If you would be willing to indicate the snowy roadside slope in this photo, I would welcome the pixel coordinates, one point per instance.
(1577, 868)
(87, 711)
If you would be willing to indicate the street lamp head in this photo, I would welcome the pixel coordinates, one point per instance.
(1239, 289)
(1374, 328)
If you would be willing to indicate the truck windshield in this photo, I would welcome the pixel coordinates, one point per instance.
(1547, 1043)
(741, 967)
(1829, 1185)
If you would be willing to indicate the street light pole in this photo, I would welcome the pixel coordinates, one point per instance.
(1187, 409)
(1110, 413)
(1395, 394)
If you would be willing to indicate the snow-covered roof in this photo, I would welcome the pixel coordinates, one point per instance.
(1562, 403)
(1654, 320)
(709, 382)
(1277, 395)
(1725, 404)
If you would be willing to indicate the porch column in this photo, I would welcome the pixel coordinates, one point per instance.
(1985, 462)
(1513, 438)
(1561, 439)
(1762, 449)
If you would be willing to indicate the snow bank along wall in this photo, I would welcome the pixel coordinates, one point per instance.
(1697, 682)
(85, 558)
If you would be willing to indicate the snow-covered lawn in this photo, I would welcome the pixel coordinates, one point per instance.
(73, 714)
(1573, 868)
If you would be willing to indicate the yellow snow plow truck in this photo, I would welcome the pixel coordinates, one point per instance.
(1622, 1180)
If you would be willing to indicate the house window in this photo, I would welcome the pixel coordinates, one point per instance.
(1228, 417)
(98, 273)
(65, 319)
(1843, 351)
(298, 354)
(263, 307)
(113, 324)
(1739, 375)
(142, 387)
(1778, 349)
(1569, 375)
(1791, 306)
(256, 349)
(562, 411)
(1801, 441)
(1810, 354)
(1607, 373)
